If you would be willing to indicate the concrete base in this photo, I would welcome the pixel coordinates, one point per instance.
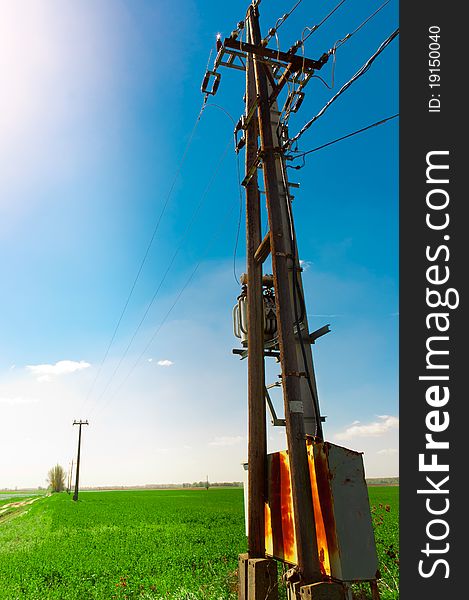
(257, 578)
(323, 591)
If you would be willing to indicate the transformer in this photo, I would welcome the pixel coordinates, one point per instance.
(240, 313)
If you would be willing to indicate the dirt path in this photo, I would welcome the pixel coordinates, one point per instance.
(13, 509)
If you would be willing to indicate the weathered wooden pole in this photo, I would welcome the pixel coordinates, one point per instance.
(280, 244)
(257, 444)
(77, 474)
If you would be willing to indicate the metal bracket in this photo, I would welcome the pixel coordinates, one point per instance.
(243, 353)
(251, 112)
(252, 170)
(276, 422)
(318, 333)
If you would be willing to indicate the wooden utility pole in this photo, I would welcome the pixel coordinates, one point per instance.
(282, 265)
(268, 72)
(257, 444)
(77, 474)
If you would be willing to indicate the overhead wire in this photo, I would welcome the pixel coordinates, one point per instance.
(238, 172)
(283, 18)
(280, 21)
(338, 43)
(240, 215)
(357, 75)
(147, 251)
(349, 35)
(167, 271)
(316, 27)
(344, 137)
(301, 44)
(186, 284)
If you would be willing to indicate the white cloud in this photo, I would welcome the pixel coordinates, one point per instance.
(226, 440)
(18, 400)
(388, 451)
(374, 429)
(47, 372)
(165, 363)
(305, 264)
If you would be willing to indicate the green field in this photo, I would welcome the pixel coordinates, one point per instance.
(384, 501)
(178, 544)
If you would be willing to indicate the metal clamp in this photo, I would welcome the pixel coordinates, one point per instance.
(205, 82)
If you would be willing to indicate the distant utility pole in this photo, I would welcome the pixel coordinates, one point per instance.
(69, 480)
(77, 475)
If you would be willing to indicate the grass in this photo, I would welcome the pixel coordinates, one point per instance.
(159, 544)
(384, 503)
(155, 544)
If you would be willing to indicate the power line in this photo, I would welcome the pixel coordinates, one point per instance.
(357, 75)
(344, 137)
(284, 17)
(168, 269)
(280, 21)
(238, 170)
(150, 243)
(301, 44)
(316, 27)
(342, 41)
(170, 310)
(349, 35)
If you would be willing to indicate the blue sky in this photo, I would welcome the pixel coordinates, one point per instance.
(98, 101)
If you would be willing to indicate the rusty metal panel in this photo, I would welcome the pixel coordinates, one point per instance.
(348, 523)
(342, 514)
(280, 538)
(280, 541)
